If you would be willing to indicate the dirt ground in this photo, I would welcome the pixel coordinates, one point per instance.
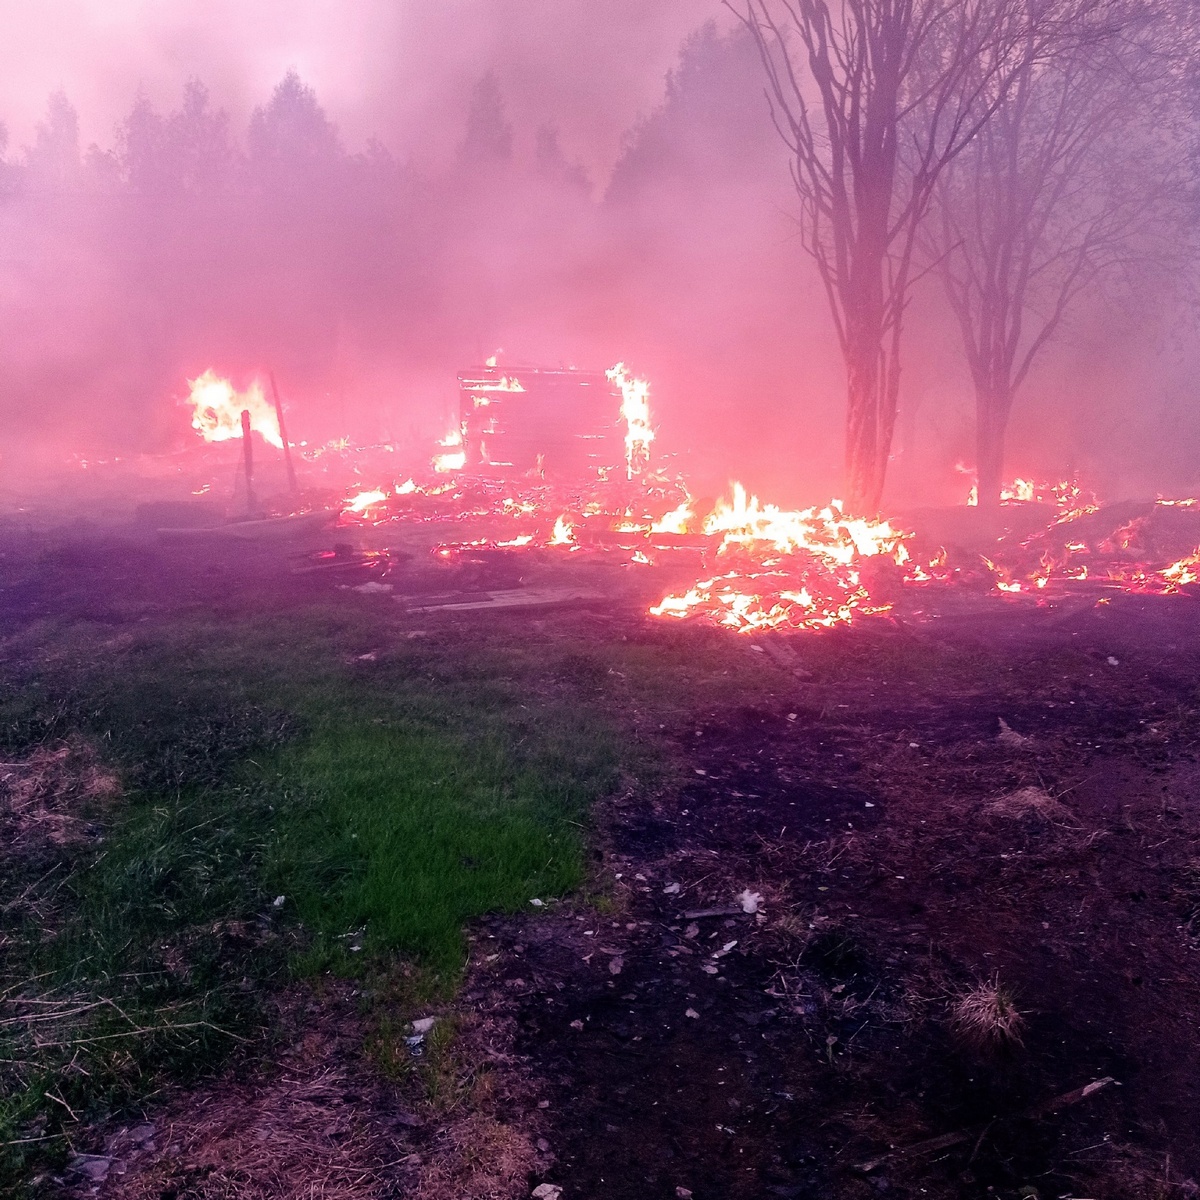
(907, 848)
(995, 804)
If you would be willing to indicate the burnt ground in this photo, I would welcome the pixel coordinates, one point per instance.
(881, 808)
(807, 1051)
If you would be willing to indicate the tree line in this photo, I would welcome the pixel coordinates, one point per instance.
(1010, 165)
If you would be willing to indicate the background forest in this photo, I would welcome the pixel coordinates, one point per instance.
(365, 279)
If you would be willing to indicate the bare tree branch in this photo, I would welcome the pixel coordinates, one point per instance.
(875, 100)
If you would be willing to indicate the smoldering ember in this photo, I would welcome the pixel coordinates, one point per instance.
(600, 600)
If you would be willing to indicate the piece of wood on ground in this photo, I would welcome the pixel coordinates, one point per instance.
(515, 598)
(784, 656)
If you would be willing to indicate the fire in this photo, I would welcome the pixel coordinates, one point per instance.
(1185, 571)
(564, 532)
(763, 566)
(794, 570)
(755, 602)
(635, 409)
(217, 409)
(676, 521)
(827, 532)
(1067, 495)
(454, 458)
(484, 388)
(1020, 491)
(365, 500)
(481, 391)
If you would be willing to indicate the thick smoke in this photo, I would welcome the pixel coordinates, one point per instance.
(367, 201)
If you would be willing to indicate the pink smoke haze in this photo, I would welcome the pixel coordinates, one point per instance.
(366, 197)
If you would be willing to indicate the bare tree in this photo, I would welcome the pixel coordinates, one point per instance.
(875, 98)
(1067, 187)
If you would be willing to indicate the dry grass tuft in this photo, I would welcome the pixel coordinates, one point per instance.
(479, 1157)
(323, 1121)
(46, 797)
(986, 1017)
(317, 1124)
(1027, 802)
(485, 1148)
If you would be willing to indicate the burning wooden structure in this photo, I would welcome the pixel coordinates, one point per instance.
(555, 421)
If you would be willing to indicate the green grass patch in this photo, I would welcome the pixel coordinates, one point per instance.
(389, 800)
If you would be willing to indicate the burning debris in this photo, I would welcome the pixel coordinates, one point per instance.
(1068, 496)
(558, 421)
(217, 409)
(559, 462)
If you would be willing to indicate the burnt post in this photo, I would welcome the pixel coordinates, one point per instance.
(248, 461)
(283, 437)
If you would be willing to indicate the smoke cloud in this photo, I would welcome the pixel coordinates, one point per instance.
(367, 197)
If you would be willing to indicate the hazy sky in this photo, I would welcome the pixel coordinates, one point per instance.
(396, 68)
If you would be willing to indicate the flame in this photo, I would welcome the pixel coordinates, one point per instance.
(506, 384)
(452, 459)
(676, 521)
(1067, 495)
(749, 604)
(217, 410)
(564, 532)
(801, 569)
(509, 505)
(635, 409)
(364, 500)
(1185, 571)
(828, 532)
(1127, 536)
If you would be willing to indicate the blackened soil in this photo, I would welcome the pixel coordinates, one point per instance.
(945, 807)
(810, 1050)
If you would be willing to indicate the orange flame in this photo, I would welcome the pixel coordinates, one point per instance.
(365, 500)
(217, 410)
(635, 409)
(802, 568)
(676, 521)
(452, 459)
(1068, 496)
(827, 532)
(564, 532)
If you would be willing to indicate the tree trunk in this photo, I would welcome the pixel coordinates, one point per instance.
(862, 437)
(870, 390)
(991, 421)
